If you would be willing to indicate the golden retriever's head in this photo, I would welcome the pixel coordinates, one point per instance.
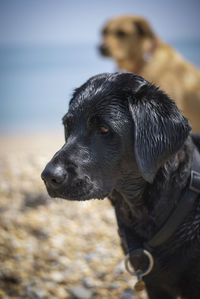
(128, 40)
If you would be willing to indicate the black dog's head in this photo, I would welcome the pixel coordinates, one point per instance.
(117, 124)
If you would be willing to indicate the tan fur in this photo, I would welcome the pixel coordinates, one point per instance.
(130, 41)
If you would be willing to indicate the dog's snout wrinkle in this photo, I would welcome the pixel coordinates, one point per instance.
(54, 176)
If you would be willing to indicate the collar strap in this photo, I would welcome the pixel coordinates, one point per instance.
(184, 206)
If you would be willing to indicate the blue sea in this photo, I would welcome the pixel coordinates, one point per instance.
(36, 82)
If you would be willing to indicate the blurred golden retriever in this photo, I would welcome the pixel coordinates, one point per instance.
(131, 42)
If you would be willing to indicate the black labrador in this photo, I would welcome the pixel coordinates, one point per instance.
(126, 140)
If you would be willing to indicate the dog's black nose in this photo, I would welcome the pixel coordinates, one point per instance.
(54, 176)
(104, 50)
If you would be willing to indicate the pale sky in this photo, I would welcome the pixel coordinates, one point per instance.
(67, 21)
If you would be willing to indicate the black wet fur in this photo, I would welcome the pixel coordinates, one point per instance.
(125, 139)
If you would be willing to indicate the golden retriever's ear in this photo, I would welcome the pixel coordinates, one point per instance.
(159, 129)
(143, 28)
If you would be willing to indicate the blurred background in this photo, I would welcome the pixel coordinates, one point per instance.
(57, 249)
(47, 48)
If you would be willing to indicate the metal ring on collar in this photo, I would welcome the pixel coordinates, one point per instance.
(139, 272)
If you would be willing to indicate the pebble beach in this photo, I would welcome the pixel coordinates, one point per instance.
(53, 248)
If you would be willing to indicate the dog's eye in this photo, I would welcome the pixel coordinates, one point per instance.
(103, 130)
(120, 33)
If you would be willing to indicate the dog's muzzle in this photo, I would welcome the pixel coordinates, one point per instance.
(66, 183)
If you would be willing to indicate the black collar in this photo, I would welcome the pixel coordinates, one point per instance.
(184, 207)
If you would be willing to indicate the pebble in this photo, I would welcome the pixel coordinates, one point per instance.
(56, 276)
(91, 283)
(127, 294)
(90, 257)
(34, 200)
(79, 292)
(115, 285)
(120, 268)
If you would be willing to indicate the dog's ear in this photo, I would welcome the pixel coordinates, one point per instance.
(159, 129)
(143, 28)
